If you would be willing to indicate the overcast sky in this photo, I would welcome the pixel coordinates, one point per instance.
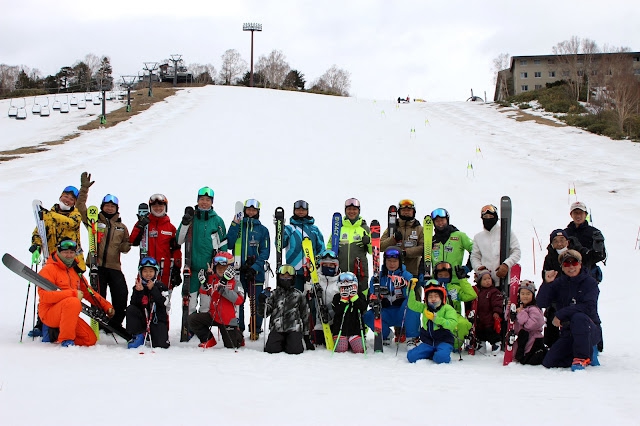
(425, 49)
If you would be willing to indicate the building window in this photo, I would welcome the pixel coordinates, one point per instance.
(537, 74)
(523, 75)
(538, 86)
(580, 73)
(565, 73)
(523, 62)
(594, 72)
(552, 73)
(524, 88)
(536, 61)
(636, 59)
(636, 71)
(580, 60)
(551, 61)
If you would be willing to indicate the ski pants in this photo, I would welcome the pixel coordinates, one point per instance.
(65, 316)
(393, 316)
(114, 279)
(251, 291)
(355, 342)
(205, 302)
(289, 342)
(576, 341)
(440, 353)
(137, 324)
(201, 323)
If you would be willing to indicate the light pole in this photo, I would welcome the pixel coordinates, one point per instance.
(252, 26)
(175, 58)
(128, 82)
(151, 67)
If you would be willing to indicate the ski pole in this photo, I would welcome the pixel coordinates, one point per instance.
(364, 342)
(404, 315)
(344, 314)
(533, 253)
(24, 316)
(536, 232)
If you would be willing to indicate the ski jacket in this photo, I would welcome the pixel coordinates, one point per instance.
(349, 315)
(531, 320)
(255, 244)
(288, 309)
(443, 326)
(69, 280)
(486, 251)
(161, 244)
(571, 295)
(224, 300)
(329, 286)
(586, 235)
(412, 243)
(351, 247)
(113, 239)
(460, 291)
(152, 302)
(297, 229)
(489, 302)
(551, 262)
(452, 250)
(394, 296)
(60, 224)
(208, 237)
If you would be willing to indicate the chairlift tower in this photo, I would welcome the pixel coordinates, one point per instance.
(175, 58)
(251, 26)
(150, 67)
(128, 81)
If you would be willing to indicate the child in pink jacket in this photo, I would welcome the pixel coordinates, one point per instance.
(529, 347)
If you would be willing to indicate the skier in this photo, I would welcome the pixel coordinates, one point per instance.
(485, 253)
(408, 237)
(489, 313)
(529, 347)
(349, 304)
(301, 225)
(449, 244)
(394, 280)
(289, 312)
(327, 288)
(460, 291)
(223, 296)
(60, 309)
(147, 313)
(208, 236)
(575, 294)
(254, 252)
(161, 243)
(112, 240)
(439, 321)
(355, 243)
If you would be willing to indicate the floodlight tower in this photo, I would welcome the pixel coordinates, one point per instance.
(252, 26)
(150, 67)
(175, 58)
(128, 81)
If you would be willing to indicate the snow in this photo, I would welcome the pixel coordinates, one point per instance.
(281, 146)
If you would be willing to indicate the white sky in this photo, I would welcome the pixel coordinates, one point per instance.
(424, 49)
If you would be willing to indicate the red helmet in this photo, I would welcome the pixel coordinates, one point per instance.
(433, 285)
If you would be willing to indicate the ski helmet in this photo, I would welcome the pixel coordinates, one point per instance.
(347, 282)
(150, 262)
(159, 199)
(435, 286)
(440, 212)
(352, 202)
(286, 282)
(110, 199)
(489, 209)
(328, 263)
(444, 266)
(252, 202)
(71, 190)
(205, 191)
(393, 252)
(300, 204)
(223, 258)
(404, 204)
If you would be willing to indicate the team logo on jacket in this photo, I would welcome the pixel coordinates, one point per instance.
(344, 236)
(454, 238)
(169, 233)
(153, 233)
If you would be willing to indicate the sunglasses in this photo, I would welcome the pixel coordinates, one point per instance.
(286, 269)
(72, 189)
(352, 202)
(301, 204)
(570, 262)
(489, 209)
(157, 199)
(392, 254)
(347, 277)
(439, 213)
(206, 191)
(252, 203)
(406, 204)
(148, 261)
(67, 245)
(110, 199)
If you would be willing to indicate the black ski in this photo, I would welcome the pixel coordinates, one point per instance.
(186, 273)
(279, 222)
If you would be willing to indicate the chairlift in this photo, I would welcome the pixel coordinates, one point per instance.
(35, 109)
(87, 96)
(13, 111)
(109, 96)
(96, 100)
(44, 111)
(82, 104)
(56, 103)
(73, 101)
(21, 114)
(64, 108)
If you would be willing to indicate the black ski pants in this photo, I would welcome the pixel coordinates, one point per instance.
(114, 279)
(137, 324)
(200, 324)
(289, 342)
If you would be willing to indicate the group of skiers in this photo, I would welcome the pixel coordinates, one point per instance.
(433, 309)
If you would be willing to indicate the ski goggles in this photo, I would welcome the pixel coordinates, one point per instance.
(570, 262)
(71, 189)
(205, 192)
(439, 213)
(327, 254)
(443, 267)
(392, 253)
(148, 261)
(406, 204)
(67, 245)
(301, 204)
(110, 199)
(157, 199)
(286, 269)
(352, 202)
(252, 203)
(220, 260)
(347, 277)
(489, 209)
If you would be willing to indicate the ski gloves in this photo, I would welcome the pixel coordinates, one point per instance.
(502, 271)
(462, 272)
(35, 254)
(85, 180)
(175, 278)
(142, 221)
(188, 215)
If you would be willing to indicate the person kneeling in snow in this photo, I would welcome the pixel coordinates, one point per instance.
(289, 313)
(60, 309)
(439, 321)
(349, 305)
(147, 313)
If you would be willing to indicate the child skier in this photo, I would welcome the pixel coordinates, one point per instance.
(529, 347)
(458, 291)
(349, 305)
(147, 313)
(289, 315)
(327, 288)
(489, 313)
(439, 320)
(220, 290)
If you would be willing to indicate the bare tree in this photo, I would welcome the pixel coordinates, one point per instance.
(93, 63)
(233, 66)
(274, 68)
(334, 80)
(500, 62)
(589, 50)
(620, 87)
(567, 58)
(8, 78)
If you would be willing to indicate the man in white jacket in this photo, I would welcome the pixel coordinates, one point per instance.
(486, 246)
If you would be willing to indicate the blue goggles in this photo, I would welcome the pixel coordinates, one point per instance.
(67, 245)
(301, 204)
(327, 254)
(71, 189)
(252, 203)
(347, 277)
(220, 260)
(439, 213)
(392, 253)
(206, 191)
(148, 261)
(110, 199)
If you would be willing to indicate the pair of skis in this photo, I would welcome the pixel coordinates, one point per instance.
(509, 284)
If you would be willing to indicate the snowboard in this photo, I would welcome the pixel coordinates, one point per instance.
(323, 313)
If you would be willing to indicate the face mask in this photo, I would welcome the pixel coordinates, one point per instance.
(285, 283)
(64, 207)
(328, 271)
(562, 250)
(67, 262)
(434, 305)
(444, 281)
(489, 223)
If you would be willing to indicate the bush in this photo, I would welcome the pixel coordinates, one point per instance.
(524, 106)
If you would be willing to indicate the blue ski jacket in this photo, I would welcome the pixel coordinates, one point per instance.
(297, 229)
(392, 296)
(255, 243)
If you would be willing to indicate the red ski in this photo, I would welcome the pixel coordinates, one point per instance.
(510, 313)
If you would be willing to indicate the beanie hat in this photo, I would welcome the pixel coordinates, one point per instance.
(528, 285)
(481, 274)
(570, 254)
(557, 233)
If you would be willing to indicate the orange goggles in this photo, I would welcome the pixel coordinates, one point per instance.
(406, 204)
(489, 209)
